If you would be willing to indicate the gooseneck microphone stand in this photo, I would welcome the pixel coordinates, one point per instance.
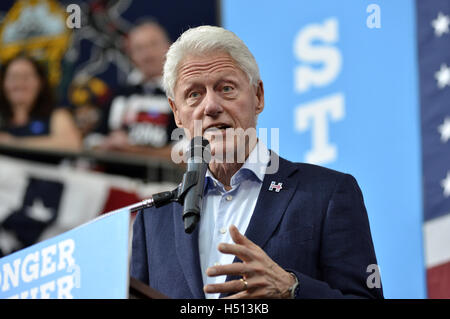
(160, 199)
(157, 200)
(189, 193)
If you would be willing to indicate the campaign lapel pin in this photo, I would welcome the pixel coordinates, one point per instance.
(276, 187)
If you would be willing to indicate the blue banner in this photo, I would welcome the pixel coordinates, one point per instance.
(90, 261)
(340, 82)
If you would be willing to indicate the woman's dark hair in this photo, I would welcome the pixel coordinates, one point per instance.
(45, 101)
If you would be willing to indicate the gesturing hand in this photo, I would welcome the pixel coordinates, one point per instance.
(262, 277)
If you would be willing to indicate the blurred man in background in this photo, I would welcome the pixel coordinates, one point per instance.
(139, 118)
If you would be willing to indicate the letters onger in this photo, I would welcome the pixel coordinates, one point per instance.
(49, 260)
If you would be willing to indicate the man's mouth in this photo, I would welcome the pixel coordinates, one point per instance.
(216, 128)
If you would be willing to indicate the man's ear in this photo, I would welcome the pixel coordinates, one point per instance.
(259, 97)
(174, 108)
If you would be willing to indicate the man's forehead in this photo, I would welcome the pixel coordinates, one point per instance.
(145, 31)
(213, 63)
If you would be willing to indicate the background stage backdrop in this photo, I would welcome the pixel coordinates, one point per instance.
(342, 84)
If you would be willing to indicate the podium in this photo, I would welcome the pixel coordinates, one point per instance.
(88, 262)
(139, 290)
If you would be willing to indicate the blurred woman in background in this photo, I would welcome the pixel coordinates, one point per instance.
(28, 116)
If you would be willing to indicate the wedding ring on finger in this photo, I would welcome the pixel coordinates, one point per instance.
(245, 284)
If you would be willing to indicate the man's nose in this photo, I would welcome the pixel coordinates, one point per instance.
(212, 104)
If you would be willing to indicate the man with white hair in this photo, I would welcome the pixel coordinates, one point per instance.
(306, 229)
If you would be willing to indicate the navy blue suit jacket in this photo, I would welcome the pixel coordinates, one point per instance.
(316, 227)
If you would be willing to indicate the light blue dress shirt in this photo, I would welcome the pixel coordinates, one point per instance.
(222, 208)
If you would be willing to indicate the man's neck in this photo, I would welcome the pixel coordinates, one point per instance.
(223, 172)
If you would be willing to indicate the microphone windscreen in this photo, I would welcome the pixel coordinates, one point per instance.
(199, 150)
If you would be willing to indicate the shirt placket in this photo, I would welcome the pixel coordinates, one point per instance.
(221, 228)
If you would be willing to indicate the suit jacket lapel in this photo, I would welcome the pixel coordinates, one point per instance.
(271, 204)
(188, 254)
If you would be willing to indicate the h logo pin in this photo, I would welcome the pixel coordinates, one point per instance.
(276, 187)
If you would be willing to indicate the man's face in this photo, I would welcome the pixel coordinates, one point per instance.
(212, 89)
(147, 47)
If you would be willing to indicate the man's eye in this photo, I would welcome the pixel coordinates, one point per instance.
(227, 88)
(194, 95)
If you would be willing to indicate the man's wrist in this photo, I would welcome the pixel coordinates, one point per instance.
(294, 288)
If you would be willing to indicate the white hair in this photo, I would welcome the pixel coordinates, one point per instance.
(206, 39)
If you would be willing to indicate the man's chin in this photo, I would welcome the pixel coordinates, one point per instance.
(228, 153)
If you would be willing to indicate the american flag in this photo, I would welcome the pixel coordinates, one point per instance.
(433, 31)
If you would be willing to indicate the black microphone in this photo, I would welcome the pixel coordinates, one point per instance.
(191, 191)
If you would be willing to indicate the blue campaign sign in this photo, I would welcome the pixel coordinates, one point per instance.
(90, 261)
(340, 82)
